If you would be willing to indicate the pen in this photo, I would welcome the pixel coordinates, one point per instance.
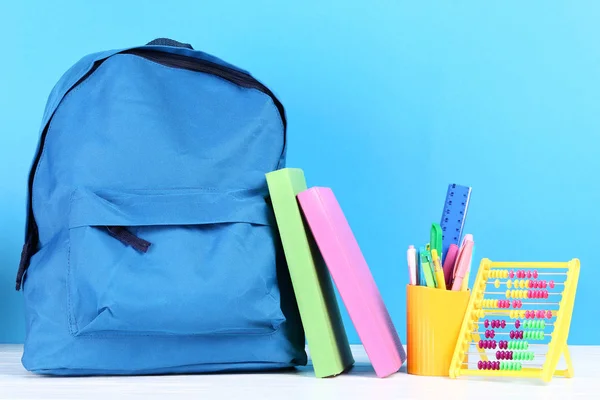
(411, 256)
(426, 267)
(462, 262)
(439, 272)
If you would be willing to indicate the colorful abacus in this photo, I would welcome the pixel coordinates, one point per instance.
(521, 331)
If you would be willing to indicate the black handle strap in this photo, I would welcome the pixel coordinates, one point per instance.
(169, 42)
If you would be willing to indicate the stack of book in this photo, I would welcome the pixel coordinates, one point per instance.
(319, 245)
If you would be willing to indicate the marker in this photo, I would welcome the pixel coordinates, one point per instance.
(435, 238)
(426, 267)
(439, 272)
(411, 257)
(449, 263)
(465, 284)
(463, 261)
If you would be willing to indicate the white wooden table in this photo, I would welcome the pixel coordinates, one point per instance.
(359, 383)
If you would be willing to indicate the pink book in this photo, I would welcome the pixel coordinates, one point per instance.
(353, 279)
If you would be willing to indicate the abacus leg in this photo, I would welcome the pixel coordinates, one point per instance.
(567, 373)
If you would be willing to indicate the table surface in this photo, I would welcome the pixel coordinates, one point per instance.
(360, 383)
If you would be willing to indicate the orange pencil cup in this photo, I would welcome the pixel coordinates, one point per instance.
(434, 319)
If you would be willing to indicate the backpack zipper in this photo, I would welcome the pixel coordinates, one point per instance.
(168, 59)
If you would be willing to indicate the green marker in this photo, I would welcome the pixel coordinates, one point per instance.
(426, 265)
(435, 239)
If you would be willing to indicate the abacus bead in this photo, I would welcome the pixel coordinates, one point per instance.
(480, 365)
(481, 344)
(551, 284)
(503, 324)
(492, 333)
(517, 324)
(512, 334)
(529, 294)
(529, 274)
(497, 283)
(486, 323)
(548, 314)
(487, 334)
(535, 274)
(543, 324)
(525, 345)
(520, 334)
(511, 274)
(531, 284)
(499, 355)
(494, 343)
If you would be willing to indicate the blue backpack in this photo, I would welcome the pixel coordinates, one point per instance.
(151, 246)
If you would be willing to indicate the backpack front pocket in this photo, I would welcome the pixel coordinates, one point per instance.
(184, 262)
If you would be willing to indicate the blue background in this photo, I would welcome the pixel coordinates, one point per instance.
(387, 101)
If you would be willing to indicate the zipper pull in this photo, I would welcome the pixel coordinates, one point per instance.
(127, 238)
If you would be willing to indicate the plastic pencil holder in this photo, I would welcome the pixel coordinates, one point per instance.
(434, 319)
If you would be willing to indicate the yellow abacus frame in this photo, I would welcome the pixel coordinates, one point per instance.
(558, 341)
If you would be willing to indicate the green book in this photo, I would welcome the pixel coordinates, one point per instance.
(327, 341)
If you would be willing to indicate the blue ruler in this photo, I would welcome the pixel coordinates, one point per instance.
(454, 215)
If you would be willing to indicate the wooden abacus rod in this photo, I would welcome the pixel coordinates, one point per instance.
(504, 293)
(491, 282)
(552, 273)
(525, 364)
(505, 333)
(512, 323)
(527, 265)
(493, 352)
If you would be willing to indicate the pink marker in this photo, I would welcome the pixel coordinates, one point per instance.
(449, 263)
(463, 262)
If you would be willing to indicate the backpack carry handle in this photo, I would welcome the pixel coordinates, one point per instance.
(169, 42)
